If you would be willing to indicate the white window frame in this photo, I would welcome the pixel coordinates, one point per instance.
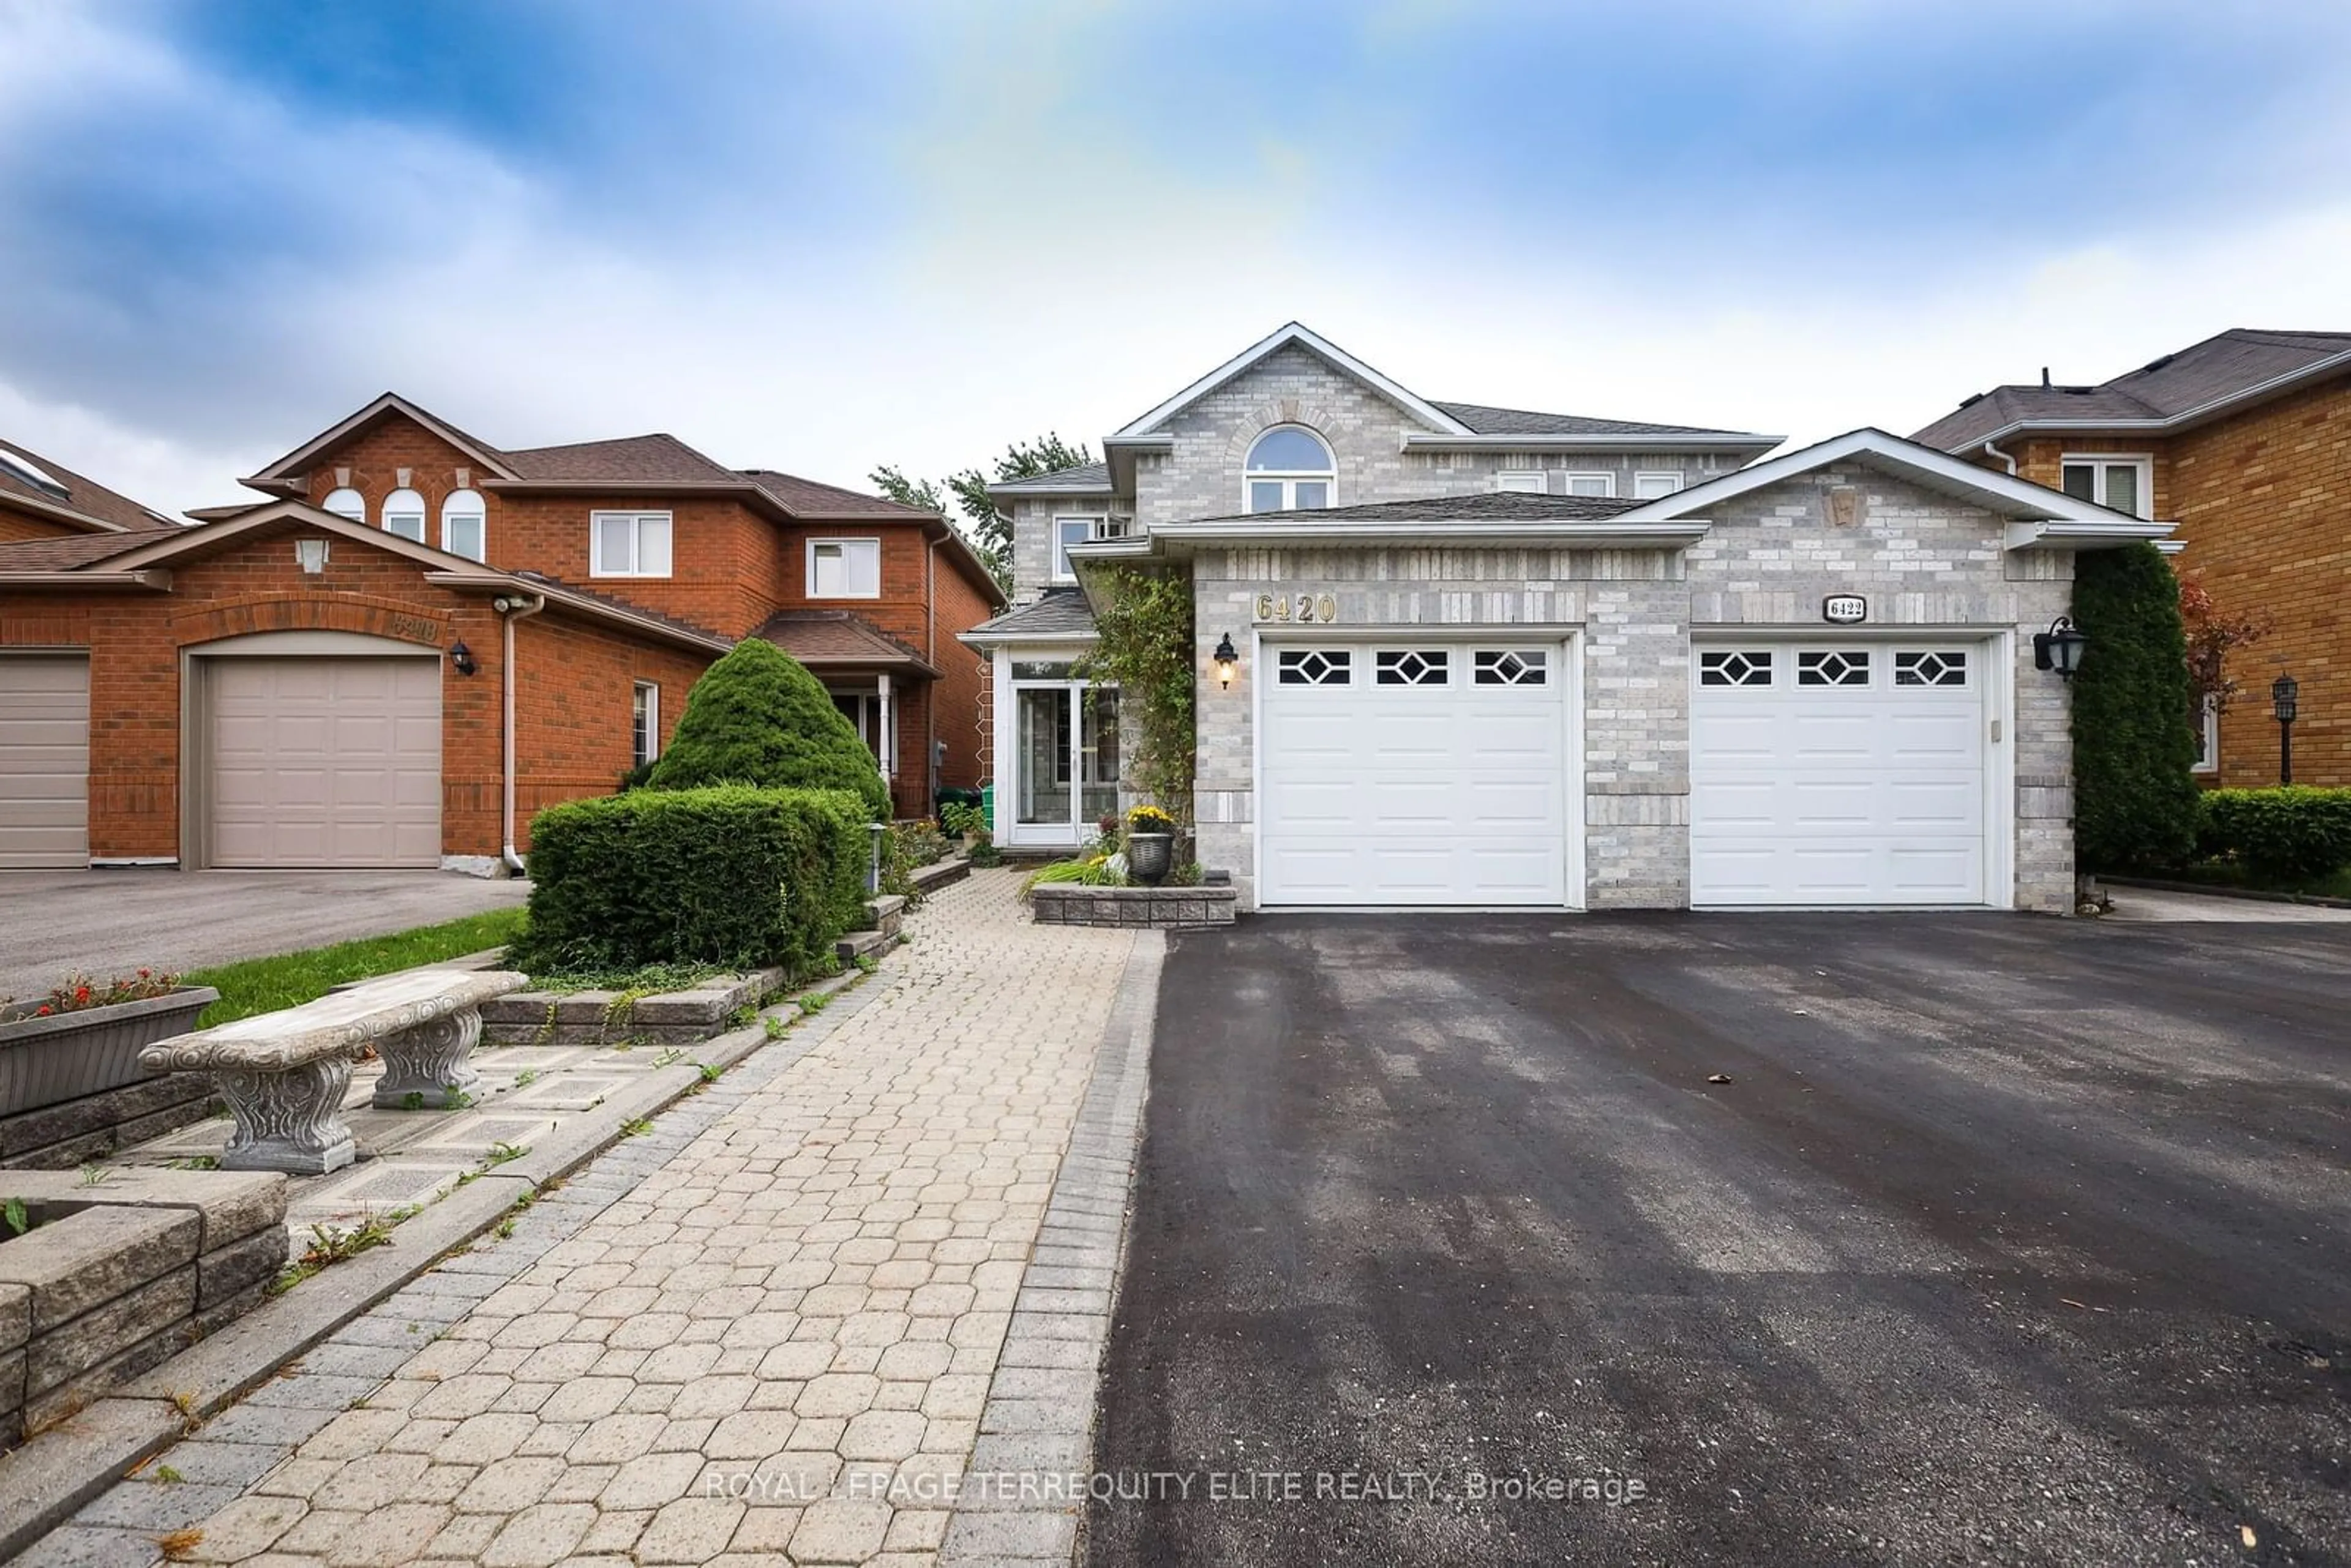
(871, 541)
(1290, 478)
(1095, 523)
(397, 502)
(1672, 479)
(1607, 479)
(2208, 738)
(1503, 484)
(599, 567)
(644, 706)
(2099, 462)
(356, 502)
(477, 510)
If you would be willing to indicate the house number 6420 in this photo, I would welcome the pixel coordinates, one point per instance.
(1307, 609)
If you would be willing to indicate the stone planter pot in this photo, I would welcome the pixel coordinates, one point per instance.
(1150, 857)
(48, 1061)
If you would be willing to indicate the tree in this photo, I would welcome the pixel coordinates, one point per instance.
(2134, 801)
(758, 716)
(2212, 636)
(988, 528)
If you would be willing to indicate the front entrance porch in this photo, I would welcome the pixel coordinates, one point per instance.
(1058, 760)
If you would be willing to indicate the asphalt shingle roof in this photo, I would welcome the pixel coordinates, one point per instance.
(1060, 612)
(811, 499)
(85, 496)
(2219, 367)
(821, 637)
(1483, 506)
(1080, 476)
(632, 459)
(71, 552)
(1485, 420)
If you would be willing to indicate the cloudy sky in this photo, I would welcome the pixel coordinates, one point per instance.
(823, 236)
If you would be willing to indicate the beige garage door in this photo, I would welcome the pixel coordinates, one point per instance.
(325, 762)
(44, 760)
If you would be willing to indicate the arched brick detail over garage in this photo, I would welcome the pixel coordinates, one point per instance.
(311, 612)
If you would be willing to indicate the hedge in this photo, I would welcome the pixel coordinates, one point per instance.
(758, 716)
(732, 875)
(2292, 833)
(2133, 799)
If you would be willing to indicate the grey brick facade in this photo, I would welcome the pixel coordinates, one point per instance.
(1923, 560)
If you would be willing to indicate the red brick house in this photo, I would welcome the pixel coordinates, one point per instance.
(41, 500)
(2244, 440)
(424, 639)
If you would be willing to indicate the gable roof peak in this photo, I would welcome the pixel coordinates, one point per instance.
(1292, 334)
(277, 475)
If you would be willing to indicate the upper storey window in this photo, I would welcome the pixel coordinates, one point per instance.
(2121, 482)
(1290, 470)
(346, 503)
(465, 523)
(403, 513)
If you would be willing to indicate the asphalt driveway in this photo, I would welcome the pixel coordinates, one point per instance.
(2008, 1239)
(113, 921)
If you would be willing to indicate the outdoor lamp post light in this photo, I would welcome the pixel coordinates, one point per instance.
(463, 658)
(2060, 647)
(2283, 693)
(1229, 661)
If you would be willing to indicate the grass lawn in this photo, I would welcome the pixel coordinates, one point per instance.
(2336, 884)
(265, 985)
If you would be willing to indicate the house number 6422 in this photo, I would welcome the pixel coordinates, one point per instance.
(1307, 609)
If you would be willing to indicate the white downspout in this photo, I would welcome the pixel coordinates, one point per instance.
(514, 611)
(1992, 450)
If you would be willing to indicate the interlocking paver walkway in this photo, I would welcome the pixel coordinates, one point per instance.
(759, 1334)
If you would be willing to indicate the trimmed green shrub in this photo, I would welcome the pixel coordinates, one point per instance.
(2291, 833)
(2134, 801)
(758, 716)
(732, 875)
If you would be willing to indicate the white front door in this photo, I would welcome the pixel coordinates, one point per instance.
(1414, 772)
(1843, 772)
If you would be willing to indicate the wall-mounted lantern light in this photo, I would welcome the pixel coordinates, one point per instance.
(1229, 662)
(2285, 700)
(463, 658)
(2060, 647)
(310, 554)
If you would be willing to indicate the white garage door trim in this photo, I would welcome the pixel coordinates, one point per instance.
(1564, 646)
(44, 759)
(199, 665)
(1992, 677)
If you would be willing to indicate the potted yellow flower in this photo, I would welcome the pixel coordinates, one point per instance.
(1150, 844)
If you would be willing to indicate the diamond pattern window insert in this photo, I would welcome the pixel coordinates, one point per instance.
(1314, 666)
(1735, 667)
(1833, 667)
(1510, 667)
(1930, 667)
(1411, 667)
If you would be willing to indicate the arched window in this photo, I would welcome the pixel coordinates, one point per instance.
(403, 513)
(347, 503)
(1290, 469)
(464, 526)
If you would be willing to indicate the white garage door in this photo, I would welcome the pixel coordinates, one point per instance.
(1850, 773)
(326, 762)
(44, 760)
(1424, 773)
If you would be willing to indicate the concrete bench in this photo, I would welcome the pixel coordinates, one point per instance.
(284, 1074)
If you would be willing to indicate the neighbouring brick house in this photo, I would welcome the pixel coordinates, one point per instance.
(39, 499)
(2244, 443)
(1483, 656)
(422, 640)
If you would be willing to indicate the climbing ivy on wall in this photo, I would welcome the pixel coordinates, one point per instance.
(1144, 646)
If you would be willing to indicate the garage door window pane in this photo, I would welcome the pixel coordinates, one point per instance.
(1735, 667)
(1314, 666)
(1511, 666)
(1930, 667)
(1833, 667)
(1411, 667)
